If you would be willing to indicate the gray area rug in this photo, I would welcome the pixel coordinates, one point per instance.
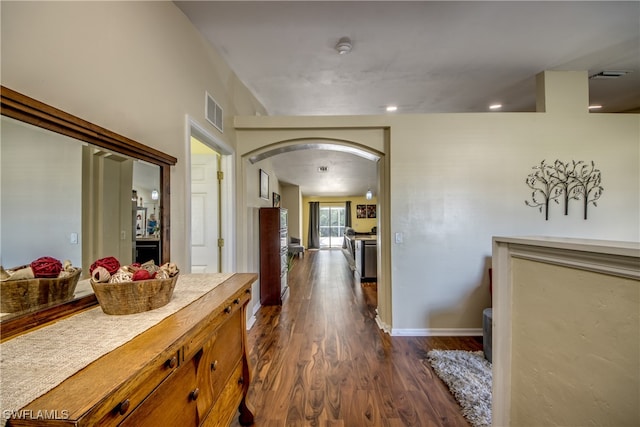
(468, 376)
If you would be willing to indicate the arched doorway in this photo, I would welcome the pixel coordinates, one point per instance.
(250, 163)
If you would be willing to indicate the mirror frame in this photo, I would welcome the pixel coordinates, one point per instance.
(25, 109)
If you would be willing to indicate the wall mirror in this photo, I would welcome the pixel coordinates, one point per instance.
(75, 191)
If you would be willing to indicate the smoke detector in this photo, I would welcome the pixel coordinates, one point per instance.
(344, 45)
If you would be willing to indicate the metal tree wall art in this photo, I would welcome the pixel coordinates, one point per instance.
(589, 188)
(573, 180)
(567, 185)
(545, 187)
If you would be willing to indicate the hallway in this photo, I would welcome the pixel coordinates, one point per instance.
(321, 360)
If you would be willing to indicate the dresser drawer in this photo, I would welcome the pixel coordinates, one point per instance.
(229, 309)
(173, 403)
(124, 400)
(221, 354)
(230, 397)
(187, 395)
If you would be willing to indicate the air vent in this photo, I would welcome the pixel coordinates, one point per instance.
(609, 74)
(213, 112)
(323, 168)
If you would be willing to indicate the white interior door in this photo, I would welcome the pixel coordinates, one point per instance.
(205, 205)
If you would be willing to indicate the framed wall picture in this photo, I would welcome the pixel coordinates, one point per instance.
(264, 185)
(276, 200)
(371, 211)
(361, 211)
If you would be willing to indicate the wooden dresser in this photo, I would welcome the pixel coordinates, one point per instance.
(190, 369)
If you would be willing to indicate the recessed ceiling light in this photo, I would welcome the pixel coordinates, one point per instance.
(495, 106)
(595, 107)
(392, 108)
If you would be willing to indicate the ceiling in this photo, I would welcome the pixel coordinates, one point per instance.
(421, 56)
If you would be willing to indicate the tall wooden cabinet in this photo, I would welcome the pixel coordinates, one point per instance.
(273, 255)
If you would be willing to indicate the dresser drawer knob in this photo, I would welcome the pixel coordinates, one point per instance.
(227, 309)
(247, 291)
(236, 301)
(194, 394)
(123, 407)
(241, 380)
(214, 365)
(171, 363)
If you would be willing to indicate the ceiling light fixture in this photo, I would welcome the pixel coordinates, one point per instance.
(495, 106)
(392, 108)
(344, 45)
(369, 195)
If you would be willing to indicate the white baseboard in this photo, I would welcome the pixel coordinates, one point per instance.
(385, 328)
(437, 332)
(250, 322)
(252, 319)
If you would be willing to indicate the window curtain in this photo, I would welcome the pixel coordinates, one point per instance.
(347, 219)
(314, 226)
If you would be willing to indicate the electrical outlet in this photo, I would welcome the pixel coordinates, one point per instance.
(73, 238)
(399, 238)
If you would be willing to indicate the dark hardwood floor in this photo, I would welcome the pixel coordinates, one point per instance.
(321, 360)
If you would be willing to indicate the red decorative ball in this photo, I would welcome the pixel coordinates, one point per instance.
(141, 275)
(46, 267)
(110, 263)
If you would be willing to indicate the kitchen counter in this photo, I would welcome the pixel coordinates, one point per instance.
(364, 250)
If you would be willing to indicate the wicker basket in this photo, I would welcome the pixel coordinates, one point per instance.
(134, 297)
(26, 294)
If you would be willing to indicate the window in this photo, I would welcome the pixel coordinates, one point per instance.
(331, 226)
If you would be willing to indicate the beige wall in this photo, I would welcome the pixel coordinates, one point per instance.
(136, 68)
(40, 195)
(576, 354)
(456, 180)
(566, 332)
(292, 200)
